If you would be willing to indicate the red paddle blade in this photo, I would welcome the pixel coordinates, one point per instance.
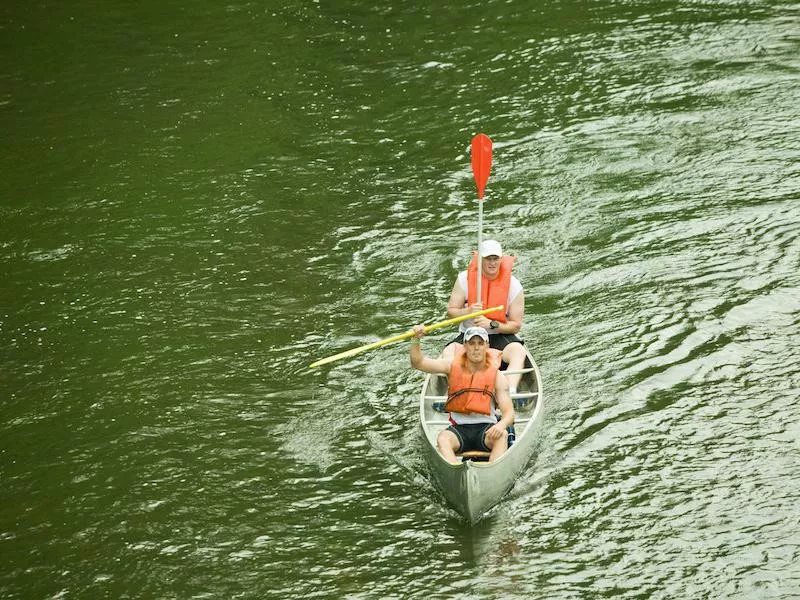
(481, 161)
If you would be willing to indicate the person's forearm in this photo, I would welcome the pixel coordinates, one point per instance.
(415, 353)
(507, 409)
(457, 311)
(508, 419)
(510, 327)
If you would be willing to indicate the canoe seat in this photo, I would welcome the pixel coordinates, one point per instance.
(476, 455)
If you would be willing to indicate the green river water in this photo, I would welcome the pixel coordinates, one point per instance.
(199, 199)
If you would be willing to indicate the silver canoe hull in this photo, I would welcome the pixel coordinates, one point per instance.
(472, 488)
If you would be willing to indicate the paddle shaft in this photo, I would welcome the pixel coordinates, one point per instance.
(400, 337)
(480, 241)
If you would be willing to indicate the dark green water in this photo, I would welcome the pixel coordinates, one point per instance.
(197, 201)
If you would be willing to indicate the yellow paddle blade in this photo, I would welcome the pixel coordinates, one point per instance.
(401, 336)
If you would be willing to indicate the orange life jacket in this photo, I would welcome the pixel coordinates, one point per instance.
(494, 292)
(469, 392)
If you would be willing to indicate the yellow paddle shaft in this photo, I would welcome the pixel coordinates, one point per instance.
(401, 336)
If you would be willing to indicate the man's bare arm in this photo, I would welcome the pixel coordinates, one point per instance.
(455, 305)
(503, 400)
(516, 313)
(425, 363)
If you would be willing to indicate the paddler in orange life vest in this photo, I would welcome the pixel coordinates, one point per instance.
(475, 389)
(498, 287)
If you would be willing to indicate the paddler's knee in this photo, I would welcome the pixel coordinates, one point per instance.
(447, 440)
(502, 439)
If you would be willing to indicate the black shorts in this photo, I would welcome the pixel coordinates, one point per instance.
(471, 436)
(498, 341)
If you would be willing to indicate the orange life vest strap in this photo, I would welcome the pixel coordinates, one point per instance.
(486, 391)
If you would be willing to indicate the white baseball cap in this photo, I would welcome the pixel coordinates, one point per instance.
(491, 248)
(473, 331)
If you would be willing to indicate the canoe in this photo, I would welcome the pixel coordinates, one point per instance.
(474, 486)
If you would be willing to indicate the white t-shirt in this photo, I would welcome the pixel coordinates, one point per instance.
(513, 291)
(472, 418)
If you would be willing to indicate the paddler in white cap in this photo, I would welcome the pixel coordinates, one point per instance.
(498, 287)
